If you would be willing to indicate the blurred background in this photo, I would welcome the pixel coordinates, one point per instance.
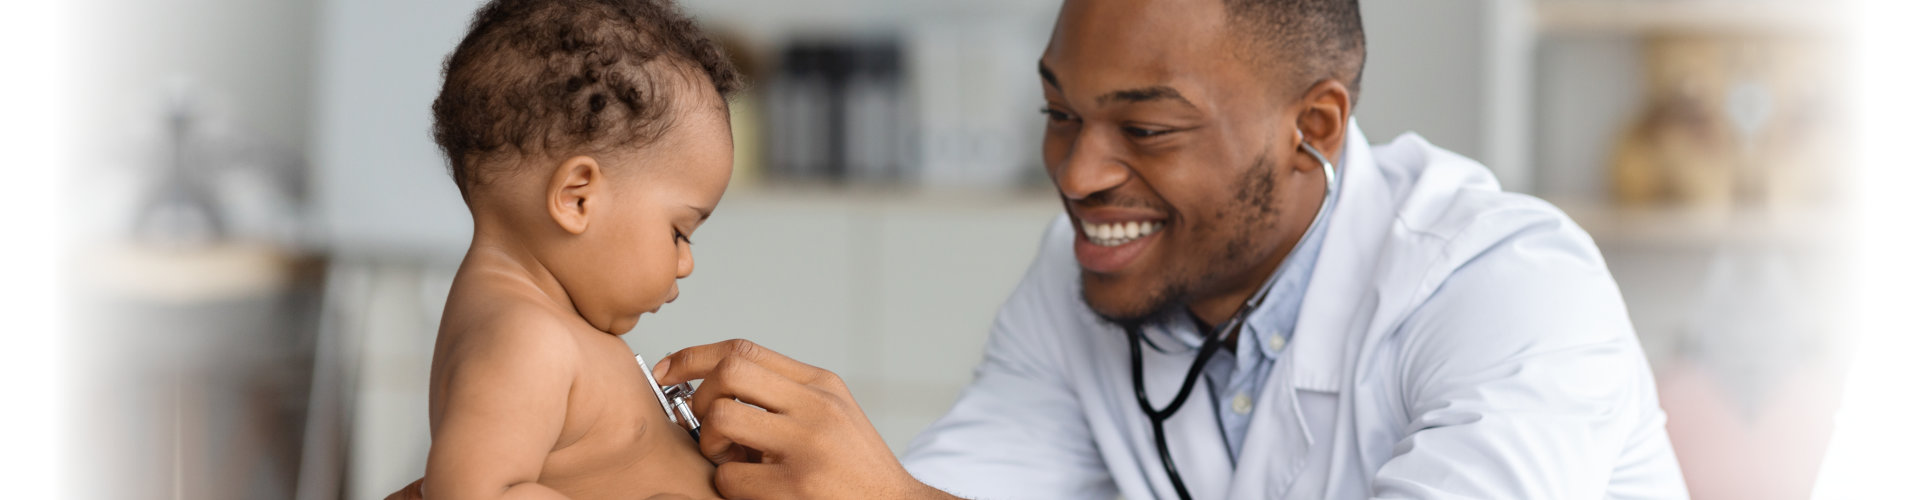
(260, 234)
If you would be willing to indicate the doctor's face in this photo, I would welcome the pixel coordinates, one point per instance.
(1171, 156)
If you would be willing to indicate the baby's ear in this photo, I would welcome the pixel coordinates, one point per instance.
(574, 192)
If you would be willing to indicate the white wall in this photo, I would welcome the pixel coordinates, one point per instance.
(1453, 71)
(382, 184)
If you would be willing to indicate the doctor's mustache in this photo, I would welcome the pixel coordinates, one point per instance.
(1109, 198)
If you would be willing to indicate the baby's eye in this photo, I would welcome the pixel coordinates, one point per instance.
(679, 237)
(1054, 115)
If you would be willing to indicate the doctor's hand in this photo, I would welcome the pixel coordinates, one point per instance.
(810, 441)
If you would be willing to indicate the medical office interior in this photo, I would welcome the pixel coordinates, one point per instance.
(270, 233)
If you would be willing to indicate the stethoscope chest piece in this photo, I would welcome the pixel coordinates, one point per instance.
(676, 399)
(680, 408)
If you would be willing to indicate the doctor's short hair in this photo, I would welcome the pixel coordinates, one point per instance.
(565, 77)
(1317, 39)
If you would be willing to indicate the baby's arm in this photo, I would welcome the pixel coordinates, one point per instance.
(506, 399)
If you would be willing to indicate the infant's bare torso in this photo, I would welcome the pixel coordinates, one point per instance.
(617, 441)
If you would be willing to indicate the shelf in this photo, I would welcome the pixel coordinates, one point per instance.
(891, 197)
(216, 273)
(1610, 224)
(1687, 16)
(1613, 225)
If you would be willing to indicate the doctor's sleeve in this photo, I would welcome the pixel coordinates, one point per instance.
(1017, 431)
(1521, 378)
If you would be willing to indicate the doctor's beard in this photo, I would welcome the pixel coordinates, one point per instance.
(1236, 230)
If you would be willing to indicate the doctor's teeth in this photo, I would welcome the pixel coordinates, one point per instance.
(1119, 233)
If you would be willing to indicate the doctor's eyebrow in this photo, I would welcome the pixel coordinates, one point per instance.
(1139, 95)
(1144, 94)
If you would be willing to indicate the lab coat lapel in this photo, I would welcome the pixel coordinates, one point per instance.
(1343, 277)
(1279, 440)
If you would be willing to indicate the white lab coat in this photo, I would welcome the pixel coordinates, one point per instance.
(1456, 341)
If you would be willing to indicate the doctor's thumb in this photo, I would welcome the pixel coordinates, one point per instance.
(660, 370)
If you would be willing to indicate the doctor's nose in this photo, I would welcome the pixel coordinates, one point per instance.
(1089, 169)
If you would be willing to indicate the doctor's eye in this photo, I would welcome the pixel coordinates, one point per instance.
(1143, 133)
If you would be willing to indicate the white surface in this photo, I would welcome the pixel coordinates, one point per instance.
(34, 371)
(1873, 451)
(1638, 16)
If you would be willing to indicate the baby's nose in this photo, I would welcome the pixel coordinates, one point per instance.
(686, 266)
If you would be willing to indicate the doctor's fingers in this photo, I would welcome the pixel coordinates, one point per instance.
(698, 362)
(734, 423)
(757, 481)
(754, 384)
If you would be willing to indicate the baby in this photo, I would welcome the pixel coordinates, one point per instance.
(589, 139)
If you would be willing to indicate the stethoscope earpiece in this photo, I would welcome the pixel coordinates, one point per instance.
(1325, 166)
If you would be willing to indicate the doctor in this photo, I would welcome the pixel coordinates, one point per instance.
(1386, 324)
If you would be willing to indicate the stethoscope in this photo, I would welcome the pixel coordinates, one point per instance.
(1211, 344)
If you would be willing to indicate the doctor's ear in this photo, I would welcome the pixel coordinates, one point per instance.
(1322, 119)
(575, 192)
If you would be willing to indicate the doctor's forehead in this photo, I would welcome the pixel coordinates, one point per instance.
(1104, 45)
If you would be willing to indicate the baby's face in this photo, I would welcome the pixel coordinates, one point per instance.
(659, 197)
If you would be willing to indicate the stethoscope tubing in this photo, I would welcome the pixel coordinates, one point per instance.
(1216, 338)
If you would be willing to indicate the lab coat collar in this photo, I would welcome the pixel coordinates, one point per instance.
(1354, 236)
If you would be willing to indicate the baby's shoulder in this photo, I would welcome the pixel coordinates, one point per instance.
(510, 334)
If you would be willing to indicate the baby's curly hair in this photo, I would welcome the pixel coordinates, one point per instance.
(561, 77)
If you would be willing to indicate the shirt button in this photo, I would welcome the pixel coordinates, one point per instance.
(1276, 342)
(1242, 404)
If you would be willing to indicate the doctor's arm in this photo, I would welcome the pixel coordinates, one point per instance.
(1522, 378)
